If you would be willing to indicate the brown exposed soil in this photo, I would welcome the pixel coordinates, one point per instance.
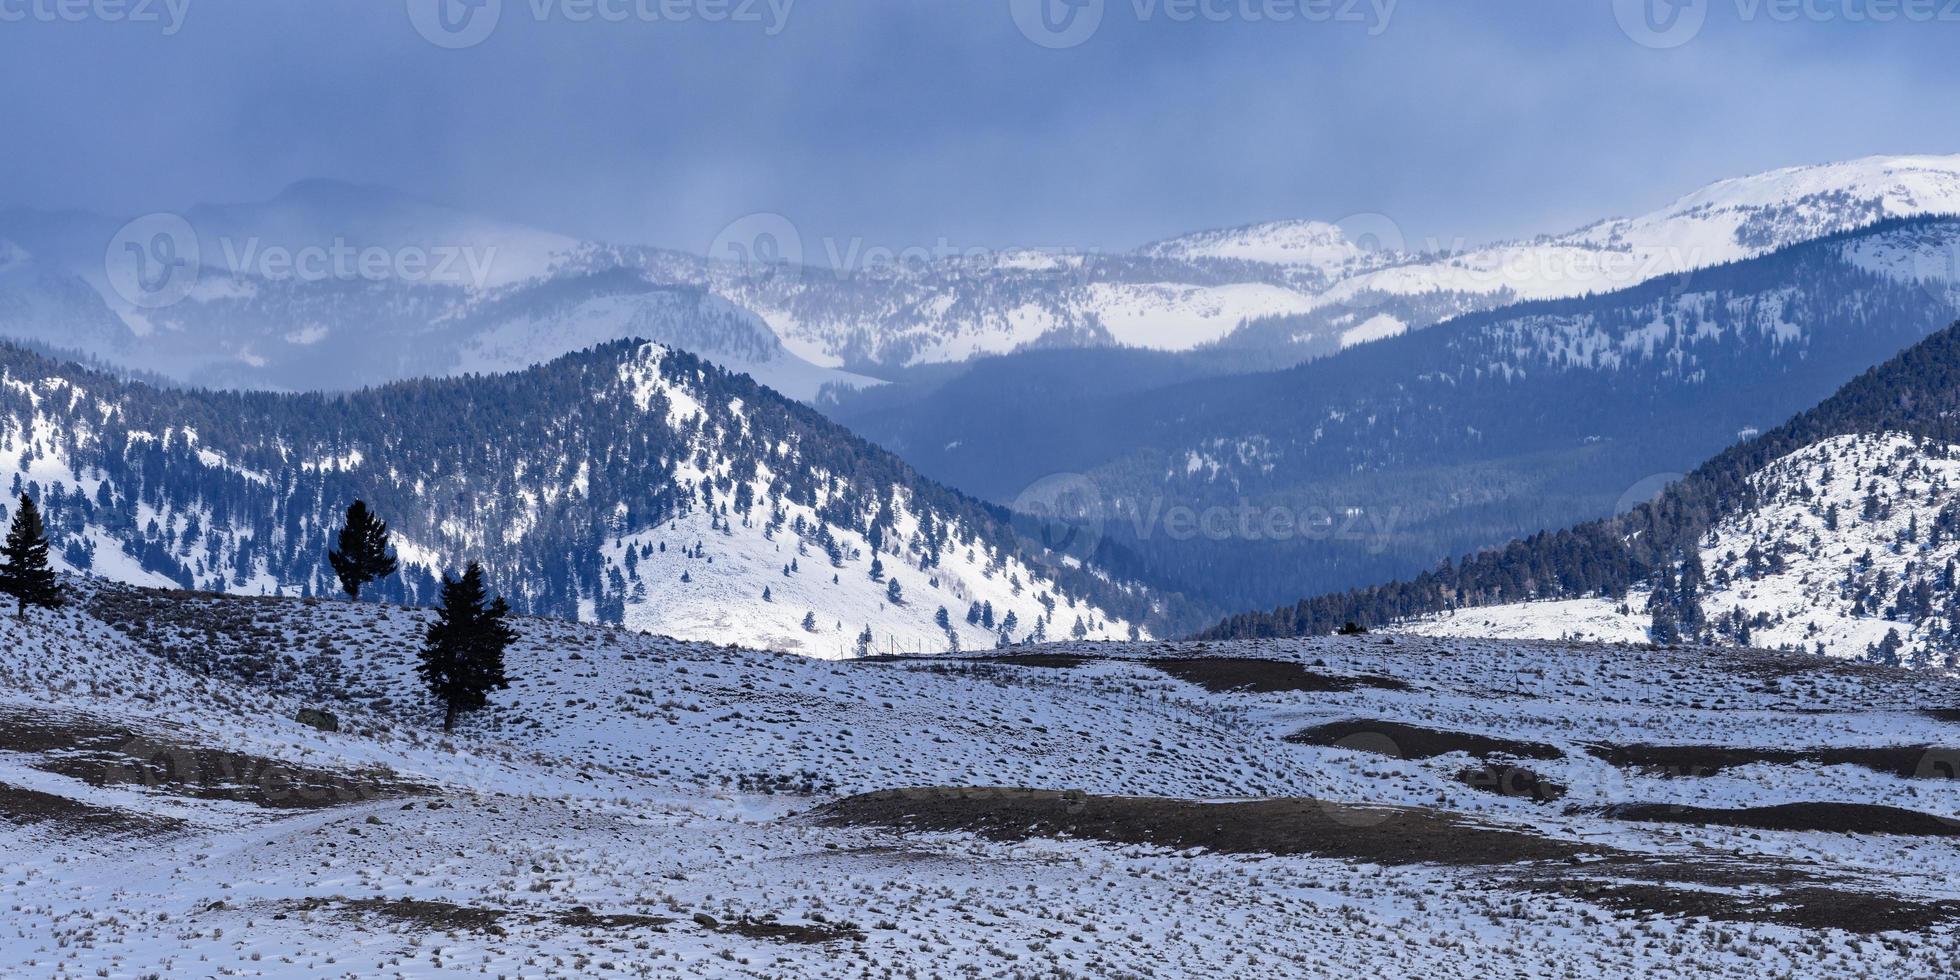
(1414, 742)
(1058, 661)
(1516, 782)
(25, 807)
(1837, 818)
(1380, 834)
(102, 754)
(1699, 885)
(1808, 907)
(1910, 762)
(584, 918)
(1227, 675)
(443, 916)
(802, 934)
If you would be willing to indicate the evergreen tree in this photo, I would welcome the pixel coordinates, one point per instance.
(463, 650)
(24, 570)
(864, 642)
(894, 594)
(810, 622)
(943, 619)
(363, 555)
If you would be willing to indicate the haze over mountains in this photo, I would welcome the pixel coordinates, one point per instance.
(1573, 373)
(456, 291)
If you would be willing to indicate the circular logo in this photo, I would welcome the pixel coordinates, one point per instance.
(1067, 511)
(152, 262)
(455, 24)
(1940, 762)
(759, 245)
(1371, 231)
(1359, 815)
(1661, 24)
(1644, 491)
(1057, 24)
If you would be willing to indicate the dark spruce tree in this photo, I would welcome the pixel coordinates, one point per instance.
(24, 570)
(363, 555)
(463, 651)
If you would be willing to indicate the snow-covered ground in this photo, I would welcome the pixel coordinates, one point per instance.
(1851, 536)
(637, 806)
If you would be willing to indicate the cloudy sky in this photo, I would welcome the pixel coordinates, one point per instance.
(978, 123)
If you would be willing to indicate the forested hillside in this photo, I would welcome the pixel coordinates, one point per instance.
(1916, 395)
(601, 486)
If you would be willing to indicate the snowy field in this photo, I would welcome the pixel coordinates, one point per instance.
(637, 806)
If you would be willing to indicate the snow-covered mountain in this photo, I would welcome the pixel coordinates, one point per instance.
(1724, 222)
(626, 484)
(1315, 245)
(1850, 551)
(423, 284)
(330, 286)
(1834, 533)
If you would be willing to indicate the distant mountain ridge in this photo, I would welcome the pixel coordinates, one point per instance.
(1279, 292)
(1889, 434)
(629, 484)
(1439, 442)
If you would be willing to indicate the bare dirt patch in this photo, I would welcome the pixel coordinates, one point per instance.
(801, 934)
(102, 755)
(26, 807)
(1056, 661)
(1515, 782)
(1807, 906)
(1909, 762)
(1697, 885)
(1415, 742)
(1244, 675)
(423, 914)
(1836, 818)
(581, 917)
(1380, 834)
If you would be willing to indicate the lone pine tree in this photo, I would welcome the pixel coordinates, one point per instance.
(363, 553)
(24, 570)
(463, 651)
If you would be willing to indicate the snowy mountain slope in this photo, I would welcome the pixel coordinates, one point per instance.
(1313, 245)
(1294, 290)
(1832, 532)
(1852, 539)
(332, 287)
(653, 448)
(635, 806)
(1727, 221)
(1445, 441)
